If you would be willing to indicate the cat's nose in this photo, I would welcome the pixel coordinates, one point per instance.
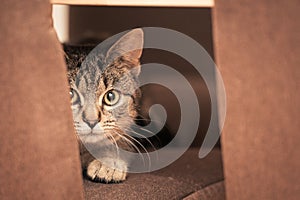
(91, 120)
(91, 123)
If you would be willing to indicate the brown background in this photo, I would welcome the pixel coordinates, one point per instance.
(38, 152)
(257, 49)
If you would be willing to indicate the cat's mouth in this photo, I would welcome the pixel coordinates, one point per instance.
(92, 137)
(91, 133)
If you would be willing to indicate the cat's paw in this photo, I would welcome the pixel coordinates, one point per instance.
(102, 173)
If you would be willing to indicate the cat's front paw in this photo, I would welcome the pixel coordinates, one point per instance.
(102, 173)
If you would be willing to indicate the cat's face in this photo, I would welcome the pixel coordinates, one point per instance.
(104, 98)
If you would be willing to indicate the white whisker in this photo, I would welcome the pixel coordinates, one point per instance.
(115, 142)
(142, 136)
(134, 132)
(134, 146)
(147, 153)
(148, 131)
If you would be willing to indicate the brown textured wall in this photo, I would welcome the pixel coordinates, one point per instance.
(38, 151)
(257, 49)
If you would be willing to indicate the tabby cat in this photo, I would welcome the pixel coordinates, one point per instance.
(100, 110)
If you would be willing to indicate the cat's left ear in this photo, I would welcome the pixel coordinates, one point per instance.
(129, 47)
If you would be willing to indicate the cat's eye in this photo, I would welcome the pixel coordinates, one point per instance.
(111, 97)
(74, 96)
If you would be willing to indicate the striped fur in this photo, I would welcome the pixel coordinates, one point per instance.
(92, 79)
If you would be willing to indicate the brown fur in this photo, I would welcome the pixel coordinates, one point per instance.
(91, 79)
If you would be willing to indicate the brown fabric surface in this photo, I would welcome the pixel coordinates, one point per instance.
(215, 191)
(185, 176)
(38, 150)
(257, 49)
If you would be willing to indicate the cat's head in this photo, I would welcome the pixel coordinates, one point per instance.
(103, 94)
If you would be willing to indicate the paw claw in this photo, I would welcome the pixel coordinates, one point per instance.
(98, 172)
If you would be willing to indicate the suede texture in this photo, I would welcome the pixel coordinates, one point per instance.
(183, 178)
(38, 149)
(257, 50)
(215, 191)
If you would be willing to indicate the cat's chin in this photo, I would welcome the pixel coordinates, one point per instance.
(91, 138)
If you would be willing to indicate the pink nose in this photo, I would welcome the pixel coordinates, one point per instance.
(90, 120)
(91, 124)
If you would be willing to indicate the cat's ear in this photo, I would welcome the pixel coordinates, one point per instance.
(129, 47)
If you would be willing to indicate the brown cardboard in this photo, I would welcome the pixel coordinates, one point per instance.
(257, 50)
(38, 149)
